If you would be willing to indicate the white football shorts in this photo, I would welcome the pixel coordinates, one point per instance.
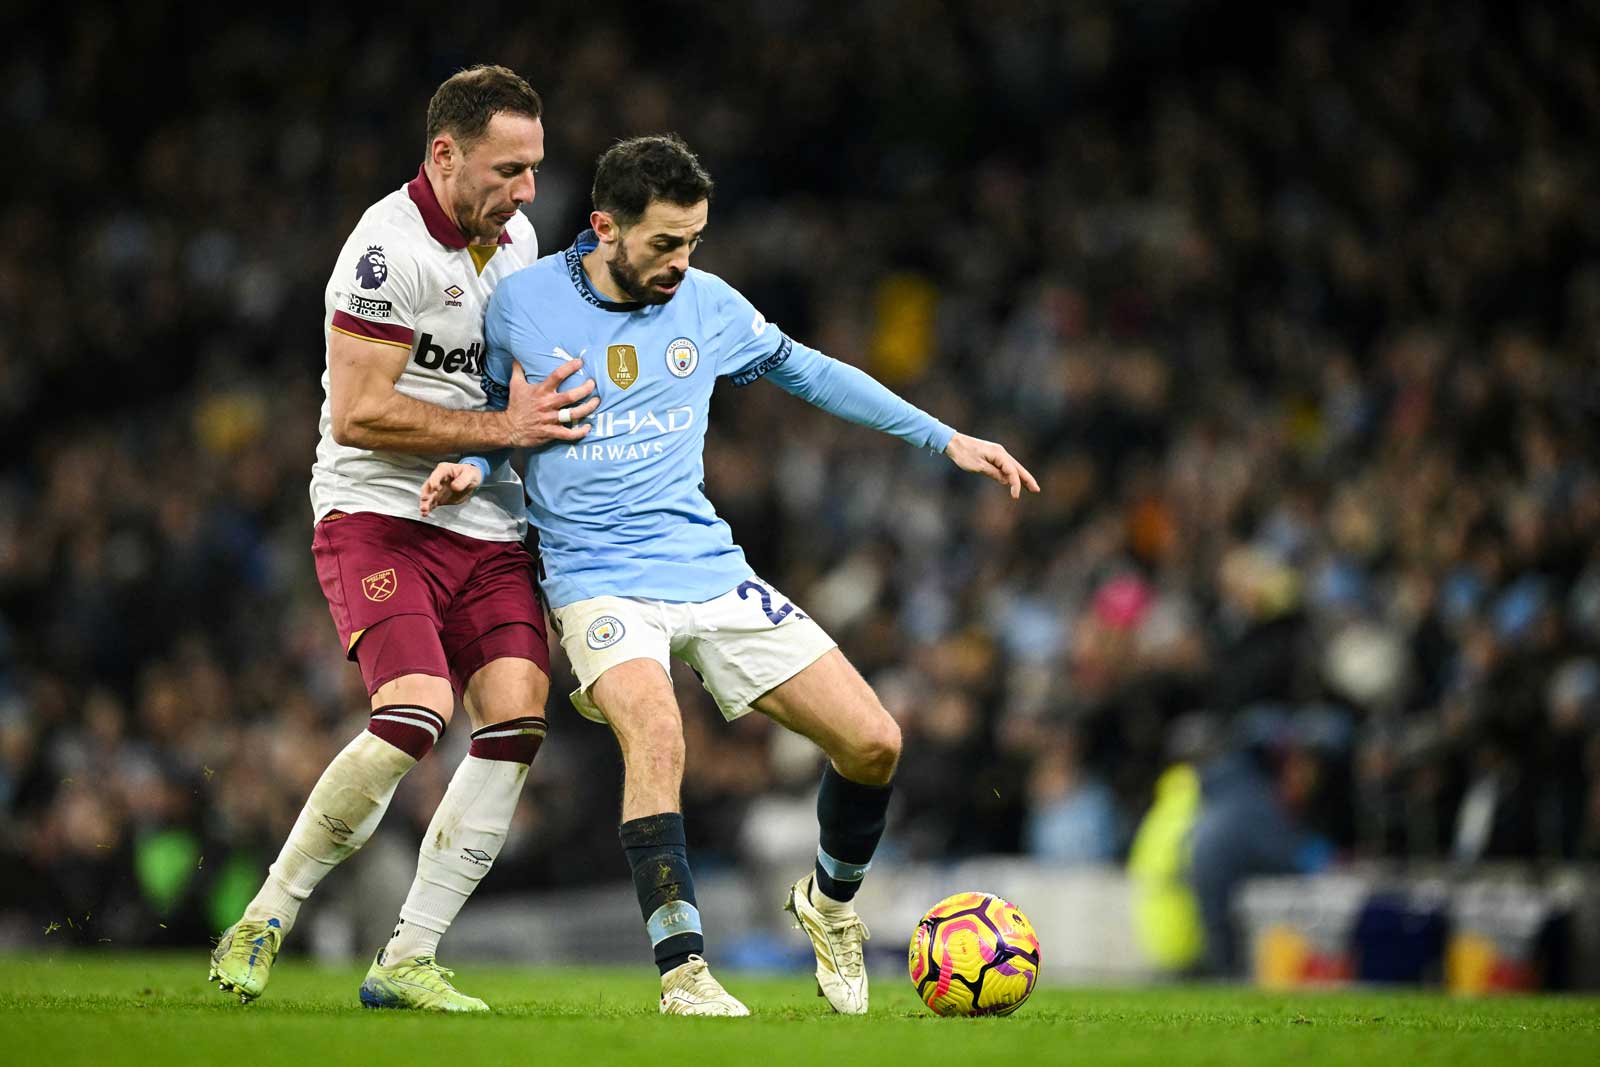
(746, 642)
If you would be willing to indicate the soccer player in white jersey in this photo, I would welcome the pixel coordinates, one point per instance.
(430, 608)
(639, 568)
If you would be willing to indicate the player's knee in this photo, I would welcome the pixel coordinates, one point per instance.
(652, 741)
(876, 752)
(518, 690)
(418, 691)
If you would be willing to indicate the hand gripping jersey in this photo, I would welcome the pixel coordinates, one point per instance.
(407, 277)
(624, 512)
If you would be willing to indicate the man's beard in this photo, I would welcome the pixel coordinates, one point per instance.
(639, 291)
(476, 227)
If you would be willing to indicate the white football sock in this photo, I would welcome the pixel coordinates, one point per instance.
(339, 816)
(460, 846)
(833, 909)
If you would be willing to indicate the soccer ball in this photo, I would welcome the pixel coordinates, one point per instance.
(974, 954)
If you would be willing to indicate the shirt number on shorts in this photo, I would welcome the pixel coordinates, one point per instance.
(766, 602)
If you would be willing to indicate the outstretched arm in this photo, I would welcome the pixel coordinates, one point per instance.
(852, 394)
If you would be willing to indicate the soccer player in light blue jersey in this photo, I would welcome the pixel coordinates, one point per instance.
(638, 568)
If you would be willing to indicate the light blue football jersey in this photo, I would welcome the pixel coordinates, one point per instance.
(623, 512)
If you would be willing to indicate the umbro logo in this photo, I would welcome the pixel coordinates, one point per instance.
(478, 856)
(337, 825)
(452, 296)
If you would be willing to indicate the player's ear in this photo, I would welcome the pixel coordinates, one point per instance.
(443, 152)
(604, 225)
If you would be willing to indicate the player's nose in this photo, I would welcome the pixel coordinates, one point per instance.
(522, 188)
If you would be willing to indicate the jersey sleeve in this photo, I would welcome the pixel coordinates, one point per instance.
(376, 287)
(746, 344)
(853, 394)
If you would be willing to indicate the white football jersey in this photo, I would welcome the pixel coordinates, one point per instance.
(407, 277)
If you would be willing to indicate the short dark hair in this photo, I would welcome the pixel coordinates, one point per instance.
(468, 99)
(633, 173)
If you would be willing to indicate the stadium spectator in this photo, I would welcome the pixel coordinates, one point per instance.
(1299, 315)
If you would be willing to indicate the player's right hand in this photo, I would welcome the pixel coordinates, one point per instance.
(450, 483)
(535, 410)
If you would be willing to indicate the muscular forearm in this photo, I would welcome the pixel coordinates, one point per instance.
(399, 423)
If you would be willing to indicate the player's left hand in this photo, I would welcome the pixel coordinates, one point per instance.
(450, 483)
(985, 457)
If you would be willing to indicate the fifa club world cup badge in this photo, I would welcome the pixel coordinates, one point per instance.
(372, 270)
(379, 587)
(622, 363)
(682, 357)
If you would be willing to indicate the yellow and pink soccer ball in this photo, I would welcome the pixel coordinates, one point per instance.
(974, 954)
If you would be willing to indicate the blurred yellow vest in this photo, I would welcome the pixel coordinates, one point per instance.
(1166, 916)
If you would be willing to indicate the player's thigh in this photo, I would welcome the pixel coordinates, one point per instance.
(494, 635)
(402, 662)
(830, 703)
(750, 641)
(602, 634)
(385, 606)
(369, 570)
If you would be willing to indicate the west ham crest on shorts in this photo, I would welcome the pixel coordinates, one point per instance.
(379, 587)
(682, 357)
(604, 632)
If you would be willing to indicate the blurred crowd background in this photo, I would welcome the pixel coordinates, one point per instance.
(1294, 313)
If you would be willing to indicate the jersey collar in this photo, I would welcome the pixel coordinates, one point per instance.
(587, 242)
(438, 223)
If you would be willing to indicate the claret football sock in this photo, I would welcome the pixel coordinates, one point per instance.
(466, 833)
(850, 817)
(658, 854)
(344, 807)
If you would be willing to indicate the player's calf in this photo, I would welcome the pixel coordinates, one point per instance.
(658, 856)
(466, 834)
(340, 815)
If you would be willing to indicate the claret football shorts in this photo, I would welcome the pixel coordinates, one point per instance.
(464, 601)
(744, 643)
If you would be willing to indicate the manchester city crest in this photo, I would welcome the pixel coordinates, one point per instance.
(682, 357)
(604, 632)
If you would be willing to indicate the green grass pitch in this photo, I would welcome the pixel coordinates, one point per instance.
(102, 1008)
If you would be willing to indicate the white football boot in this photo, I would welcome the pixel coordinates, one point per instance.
(838, 941)
(689, 989)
